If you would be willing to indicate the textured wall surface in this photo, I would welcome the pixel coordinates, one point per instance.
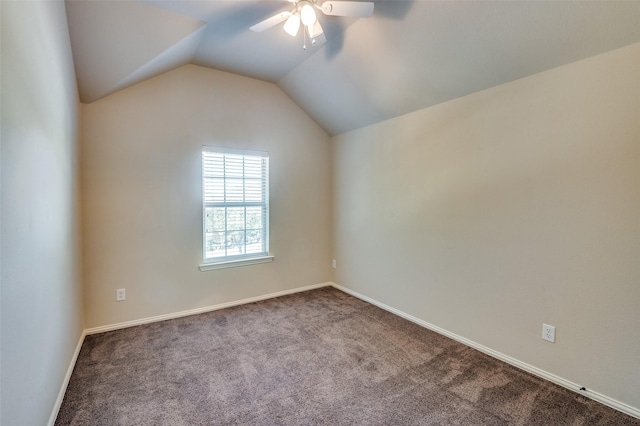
(41, 287)
(142, 206)
(512, 207)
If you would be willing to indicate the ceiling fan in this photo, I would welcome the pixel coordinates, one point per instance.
(304, 11)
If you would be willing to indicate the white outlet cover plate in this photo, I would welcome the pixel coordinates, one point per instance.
(548, 333)
(120, 295)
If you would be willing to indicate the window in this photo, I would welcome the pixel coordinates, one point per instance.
(235, 207)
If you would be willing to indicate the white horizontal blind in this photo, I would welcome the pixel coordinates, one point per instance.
(235, 194)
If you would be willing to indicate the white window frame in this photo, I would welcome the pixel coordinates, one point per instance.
(229, 261)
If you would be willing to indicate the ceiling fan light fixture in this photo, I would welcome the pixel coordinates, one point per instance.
(314, 30)
(305, 13)
(308, 15)
(292, 25)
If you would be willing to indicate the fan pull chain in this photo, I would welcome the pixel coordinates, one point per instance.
(304, 38)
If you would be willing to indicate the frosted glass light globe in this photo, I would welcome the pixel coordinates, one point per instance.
(292, 25)
(308, 15)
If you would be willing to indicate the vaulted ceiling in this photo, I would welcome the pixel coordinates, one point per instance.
(409, 55)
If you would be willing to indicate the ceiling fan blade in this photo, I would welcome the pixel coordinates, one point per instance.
(270, 22)
(358, 9)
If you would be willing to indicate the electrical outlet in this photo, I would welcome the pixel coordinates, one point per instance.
(333, 264)
(120, 295)
(549, 333)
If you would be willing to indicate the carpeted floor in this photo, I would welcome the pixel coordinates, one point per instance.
(319, 357)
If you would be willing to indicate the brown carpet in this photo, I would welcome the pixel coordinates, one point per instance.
(319, 357)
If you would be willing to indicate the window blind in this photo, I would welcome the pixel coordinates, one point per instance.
(235, 193)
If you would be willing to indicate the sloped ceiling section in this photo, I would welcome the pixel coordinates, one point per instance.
(434, 51)
(229, 45)
(409, 55)
(112, 41)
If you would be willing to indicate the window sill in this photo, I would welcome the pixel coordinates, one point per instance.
(235, 263)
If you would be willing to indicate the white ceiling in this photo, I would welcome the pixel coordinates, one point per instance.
(409, 55)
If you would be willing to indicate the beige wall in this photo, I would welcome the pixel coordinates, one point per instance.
(41, 289)
(141, 154)
(493, 213)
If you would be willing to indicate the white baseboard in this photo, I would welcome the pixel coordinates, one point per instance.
(180, 314)
(610, 402)
(65, 382)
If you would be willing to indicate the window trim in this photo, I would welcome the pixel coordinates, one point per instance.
(234, 263)
(238, 260)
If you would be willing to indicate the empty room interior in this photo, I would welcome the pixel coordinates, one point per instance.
(319, 212)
